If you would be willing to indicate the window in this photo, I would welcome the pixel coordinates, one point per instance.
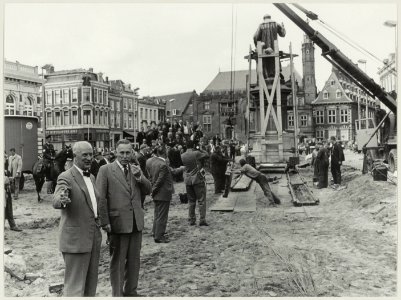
(106, 118)
(74, 95)
(207, 123)
(95, 95)
(301, 101)
(304, 120)
(10, 105)
(319, 117)
(28, 106)
(112, 119)
(206, 105)
(86, 94)
(96, 116)
(57, 98)
(74, 117)
(125, 119)
(105, 100)
(57, 118)
(290, 120)
(129, 104)
(100, 96)
(338, 94)
(130, 123)
(112, 105)
(344, 115)
(125, 103)
(87, 117)
(66, 117)
(146, 113)
(332, 82)
(332, 116)
(141, 113)
(49, 120)
(49, 97)
(154, 115)
(118, 105)
(319, 134)
(101, 118)
(325, 95)
(66, 96)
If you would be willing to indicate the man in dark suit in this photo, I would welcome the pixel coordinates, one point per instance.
(218, 168)
(94, 169)
(337, 157)
(142, 157)
(195, 182)
(80, 237)
(160, 175)
(120, 186)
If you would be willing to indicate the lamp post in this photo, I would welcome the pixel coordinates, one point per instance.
(171, 113)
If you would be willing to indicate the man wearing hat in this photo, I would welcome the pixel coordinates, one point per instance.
(267, 33)
(142, 157)
(15, 170)
(48, 155)
(337, 157)
(385, 127)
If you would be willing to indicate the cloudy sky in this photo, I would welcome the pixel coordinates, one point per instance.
(166, 48)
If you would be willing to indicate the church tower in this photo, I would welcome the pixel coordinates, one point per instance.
(308, 68)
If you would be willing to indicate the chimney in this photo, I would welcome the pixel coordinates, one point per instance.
(91, 70)
(51, 70)
(107, 79)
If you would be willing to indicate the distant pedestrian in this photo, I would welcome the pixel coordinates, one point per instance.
(337, 157)
(261, 179)
(218, 165)
(322, 161)
(8, 212)
(15, 170)
(314, 165)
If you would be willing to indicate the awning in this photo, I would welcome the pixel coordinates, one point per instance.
(129, 134)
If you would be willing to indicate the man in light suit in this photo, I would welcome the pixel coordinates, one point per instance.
(195, 182)
(80, 237)
(14, 169)
(161, 177)
(120, 186)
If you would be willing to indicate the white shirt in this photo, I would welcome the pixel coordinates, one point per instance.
(91, 190)
(129, 170)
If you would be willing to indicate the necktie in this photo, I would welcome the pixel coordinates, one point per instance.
(87, 173)
(126, 171)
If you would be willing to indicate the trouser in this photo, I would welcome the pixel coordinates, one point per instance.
(232, 155)
(197, 193)
(16, 181)
(8, 213)
(336, 172)
(227, 184)
(218, 182)
(160, 218)
(264, 184)
(81, 270)
(323, 176)
(125, 250)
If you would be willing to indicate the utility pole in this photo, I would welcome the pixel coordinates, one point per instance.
(294, 101)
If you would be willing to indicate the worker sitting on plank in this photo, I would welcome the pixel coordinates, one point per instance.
(261, 179)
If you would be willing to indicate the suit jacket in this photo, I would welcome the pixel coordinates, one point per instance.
(77, 223)
(102, 162)
(15, 165)
(338, 154)
(95, 167)
(142, 163)
(120, 199)
(192, 160)
(161, 179)
(218, 163)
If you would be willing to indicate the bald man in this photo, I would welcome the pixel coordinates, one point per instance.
(80, 238)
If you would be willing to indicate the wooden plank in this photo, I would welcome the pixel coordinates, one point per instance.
(225, 204)
(242, 184)
(246, 202)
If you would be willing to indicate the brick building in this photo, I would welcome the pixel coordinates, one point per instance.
(336, 108)
(76, 107)
(179, 106)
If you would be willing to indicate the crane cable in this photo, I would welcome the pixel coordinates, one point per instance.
(340, 35)
(233, 50)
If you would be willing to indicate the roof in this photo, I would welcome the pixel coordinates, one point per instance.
(180, 102)
(222, 81)
(332, 90)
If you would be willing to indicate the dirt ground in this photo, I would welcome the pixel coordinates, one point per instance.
(345, 246)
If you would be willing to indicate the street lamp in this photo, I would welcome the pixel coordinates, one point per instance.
(171, 113)
(362, 61)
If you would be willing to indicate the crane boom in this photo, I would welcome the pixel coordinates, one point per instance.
(334, 55)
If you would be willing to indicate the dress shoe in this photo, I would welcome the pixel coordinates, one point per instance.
(15, 229)
(192, 223)
(203, 224)
(162, 240)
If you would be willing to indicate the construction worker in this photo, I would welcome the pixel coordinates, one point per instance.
(384, 130)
